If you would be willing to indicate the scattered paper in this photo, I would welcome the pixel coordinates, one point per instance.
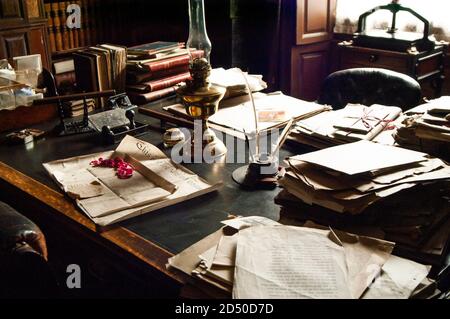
(289, 262)
(245, 222)
(361, 157)
(225, 253)
(81, 191)
(398, 279)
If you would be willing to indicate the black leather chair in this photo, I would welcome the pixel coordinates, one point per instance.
(369, 86)
(24, 271)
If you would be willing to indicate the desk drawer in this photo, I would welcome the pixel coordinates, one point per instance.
(351, 58)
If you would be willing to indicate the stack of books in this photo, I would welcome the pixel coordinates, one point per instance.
(156, 69)
(353, 123)
(100, 68)
(76, 108)
(372, 189)
(427, 125)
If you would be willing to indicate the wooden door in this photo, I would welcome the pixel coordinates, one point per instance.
(310, 56)
(315, 21)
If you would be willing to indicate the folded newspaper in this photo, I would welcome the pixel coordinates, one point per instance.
(156, 182)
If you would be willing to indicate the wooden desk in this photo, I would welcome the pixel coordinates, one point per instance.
(142, 244)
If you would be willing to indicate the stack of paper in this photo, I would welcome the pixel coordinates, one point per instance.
(157, 182)
(401, 194)
(427, 125)
(353, 123)
(235, 81)
(274, 110)
(264, 259)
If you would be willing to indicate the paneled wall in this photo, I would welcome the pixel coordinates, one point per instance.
(307, 31)
(23, 29)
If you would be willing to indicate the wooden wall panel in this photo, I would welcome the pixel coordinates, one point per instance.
(13, 43)
(310, 67)
(10, 9)
(36, 43)
(315, 21)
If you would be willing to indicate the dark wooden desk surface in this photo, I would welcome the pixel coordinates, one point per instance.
(150, 238)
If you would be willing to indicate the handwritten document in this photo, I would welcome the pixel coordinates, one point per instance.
(157, 182)
(289, 262)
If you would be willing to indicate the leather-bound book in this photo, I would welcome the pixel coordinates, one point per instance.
(137, 77)
(142, 98)
(57, 26)
(92, 22)
(85, 25)
(76, 38)
(155, 85)
(86, 72)
(50, 28)
(67, 37)
(170, 62)
(81, 30)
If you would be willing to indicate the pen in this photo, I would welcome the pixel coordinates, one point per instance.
(283, 136)
(247, 141)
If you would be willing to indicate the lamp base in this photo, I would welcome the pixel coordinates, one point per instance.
(212, 150)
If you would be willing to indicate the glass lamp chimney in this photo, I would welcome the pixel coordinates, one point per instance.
(198, 38)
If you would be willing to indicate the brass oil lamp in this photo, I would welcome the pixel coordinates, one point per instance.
(201, 100)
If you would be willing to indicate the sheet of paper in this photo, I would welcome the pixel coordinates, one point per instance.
(188, 259)
(234, 79)
(220, 273)
(365, 257)
(289, 262)
(82, 191)
(245, 222)
(225, 253)
(138, 149)
(361, 157)
(317, 178)
(186, 190)
(398, 279)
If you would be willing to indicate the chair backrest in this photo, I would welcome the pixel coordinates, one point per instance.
(24, 271)
(369, 86)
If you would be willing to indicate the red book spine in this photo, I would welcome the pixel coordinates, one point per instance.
(142, 98)
(171, 62)
(167, 82)
(134, 77)
(160, 84)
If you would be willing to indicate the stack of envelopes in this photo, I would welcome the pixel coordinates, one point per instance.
(259, 258)
(353, 123)
(427, 125)
(364, 187)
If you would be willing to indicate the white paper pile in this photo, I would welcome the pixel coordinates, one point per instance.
(235, 83)
(268, 260)
(274, 110)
